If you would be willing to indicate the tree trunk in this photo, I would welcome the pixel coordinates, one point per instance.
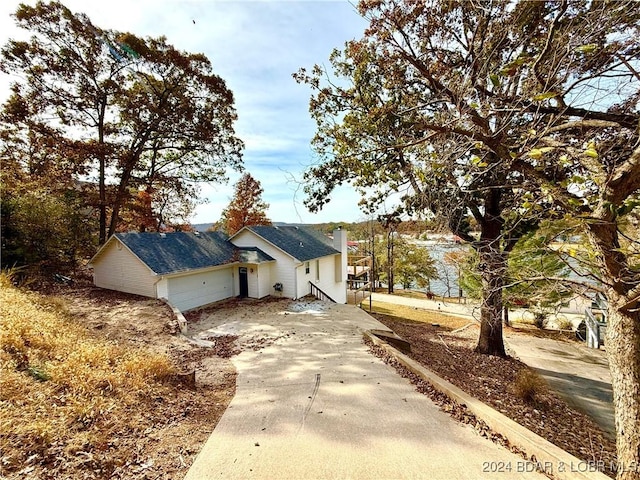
(622, 342)
(493, 269)
(493, 265)
(115, 210)
(102, 197)
(622, 339)
(102, 178)
(390, 280)
(121, 195)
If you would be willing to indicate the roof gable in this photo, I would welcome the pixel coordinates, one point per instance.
(301, 243)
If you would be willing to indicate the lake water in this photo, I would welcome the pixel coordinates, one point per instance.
(447, 283)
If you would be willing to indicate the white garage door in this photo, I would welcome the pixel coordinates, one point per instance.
(193, 291)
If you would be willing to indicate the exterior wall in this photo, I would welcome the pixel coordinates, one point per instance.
(118, 269)
(303, 279)
(197, 289)
(162, 288)
(326, 280)
(293, 275)
(258, 281)
(264, 283)
(252, 280)
(282, 271)
(340, 244)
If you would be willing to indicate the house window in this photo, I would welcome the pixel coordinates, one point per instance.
(317, 270)
(307, 267)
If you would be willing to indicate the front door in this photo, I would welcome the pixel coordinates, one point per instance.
(244, 283)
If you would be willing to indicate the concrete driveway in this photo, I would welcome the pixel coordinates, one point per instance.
(578, 373)
(316, 405)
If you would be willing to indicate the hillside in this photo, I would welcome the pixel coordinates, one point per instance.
(87, 393)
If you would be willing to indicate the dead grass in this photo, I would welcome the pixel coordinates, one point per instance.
(528, 385)
(447, 322)
(64, 392)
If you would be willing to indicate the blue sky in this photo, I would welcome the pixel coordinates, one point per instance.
(255, 46)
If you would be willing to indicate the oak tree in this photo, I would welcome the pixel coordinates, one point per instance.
(131, 111)
(512, 112)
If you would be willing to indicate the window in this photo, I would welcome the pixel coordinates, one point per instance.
(307, 268)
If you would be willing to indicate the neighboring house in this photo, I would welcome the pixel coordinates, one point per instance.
(194, 269)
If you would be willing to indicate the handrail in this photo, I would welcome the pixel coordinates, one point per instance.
(319, 294)
(595, 329)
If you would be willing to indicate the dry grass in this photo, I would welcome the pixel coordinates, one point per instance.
(63, 392)
(450, 322)
(528, 385)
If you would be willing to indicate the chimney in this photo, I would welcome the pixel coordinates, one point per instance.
(340, 244)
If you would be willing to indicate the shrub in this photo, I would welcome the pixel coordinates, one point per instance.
(540, 319)
(528, 385)
(563, 323)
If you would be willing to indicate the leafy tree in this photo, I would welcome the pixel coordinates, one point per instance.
(396, 259)
(157, 210)
(414, 266)
(536, 275)
(133, 112)
(43, 219)
(137, 214)
(44, 230)
(390, 223)
(382, 144)
(455, 259)
(514, 112)
(246, 206)
(380, 260)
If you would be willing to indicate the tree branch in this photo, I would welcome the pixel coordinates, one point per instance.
(548, 44)
(563, 280)
(630, 121)
(582, 124)
(625, 179)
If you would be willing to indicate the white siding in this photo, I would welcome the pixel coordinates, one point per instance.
(118, 269)
(327, 278)
(265, 285)
(283, 271)
(197, 289)
(252, 280)
(258, 280)
(303, 279)
(340, 244)
(162, 288)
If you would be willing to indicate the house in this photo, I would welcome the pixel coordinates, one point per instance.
(192, 269)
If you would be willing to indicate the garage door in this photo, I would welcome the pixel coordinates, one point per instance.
(193, 291)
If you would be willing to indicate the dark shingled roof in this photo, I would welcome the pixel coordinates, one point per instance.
(301, 243)
(166, 253)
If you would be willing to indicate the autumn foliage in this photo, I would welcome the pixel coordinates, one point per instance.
(246, 207)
